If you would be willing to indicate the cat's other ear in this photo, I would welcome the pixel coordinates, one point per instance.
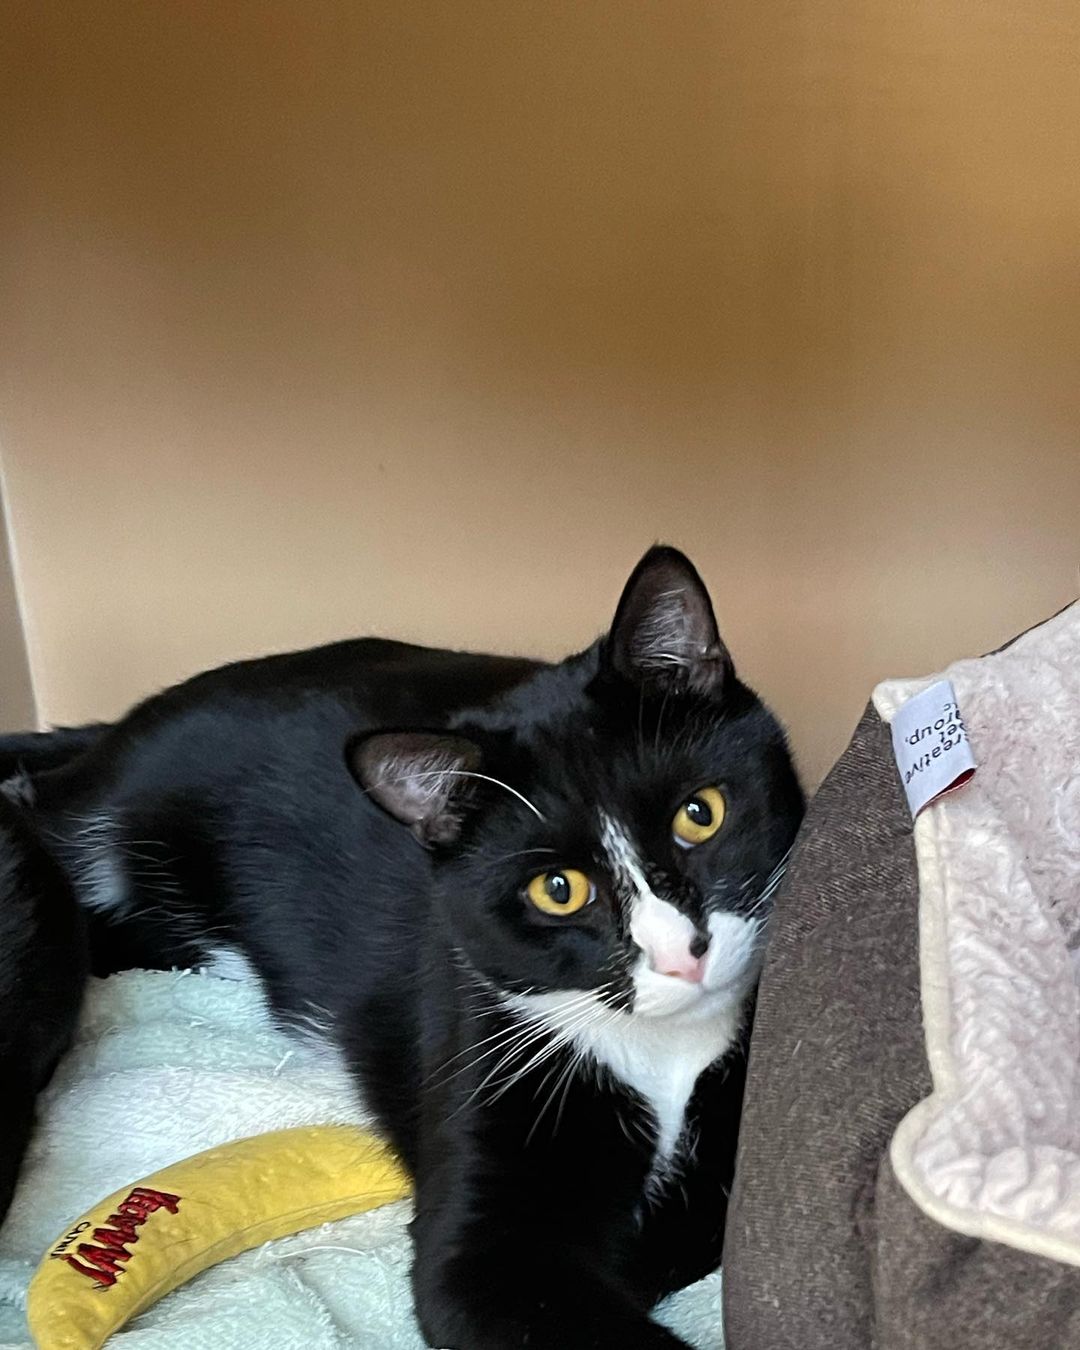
(420, 778)
(665, 631)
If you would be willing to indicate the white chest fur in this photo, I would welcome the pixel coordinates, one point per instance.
(660, 1058)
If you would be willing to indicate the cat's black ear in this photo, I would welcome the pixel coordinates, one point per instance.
(665, 631)
(420, 778)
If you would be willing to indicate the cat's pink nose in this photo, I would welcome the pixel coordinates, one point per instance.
(681, 965)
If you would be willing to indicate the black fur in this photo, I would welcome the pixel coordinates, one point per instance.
(42, 750)
(541, 1220)
(43, 965)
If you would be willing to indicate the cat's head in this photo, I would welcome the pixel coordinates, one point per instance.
(617, 823)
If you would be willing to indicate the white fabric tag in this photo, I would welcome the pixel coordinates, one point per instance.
(931, 746)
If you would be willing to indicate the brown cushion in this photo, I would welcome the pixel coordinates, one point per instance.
(828, 1247)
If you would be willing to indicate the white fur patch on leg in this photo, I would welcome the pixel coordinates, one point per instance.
(229, 963)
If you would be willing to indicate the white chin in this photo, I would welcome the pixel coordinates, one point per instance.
(663, 995)
(657, 996)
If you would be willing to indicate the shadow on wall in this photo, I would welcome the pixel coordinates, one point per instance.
(17, 710)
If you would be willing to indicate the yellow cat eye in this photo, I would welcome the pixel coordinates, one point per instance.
(562, 892)
(699, 817)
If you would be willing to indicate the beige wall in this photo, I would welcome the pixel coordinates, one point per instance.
(425, 318)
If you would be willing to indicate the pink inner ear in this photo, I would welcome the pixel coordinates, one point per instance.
(418, 778)
(665, 628)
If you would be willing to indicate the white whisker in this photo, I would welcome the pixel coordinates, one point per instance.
(462, 773)
(551, 1039)
(502, 1038)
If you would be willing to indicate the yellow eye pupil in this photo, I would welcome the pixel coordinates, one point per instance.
(699, 817)
(563, 892)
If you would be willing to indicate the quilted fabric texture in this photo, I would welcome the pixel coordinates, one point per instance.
(996, 1151)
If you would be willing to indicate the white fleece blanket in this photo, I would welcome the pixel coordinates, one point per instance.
(167, 1065)
(994, 1152)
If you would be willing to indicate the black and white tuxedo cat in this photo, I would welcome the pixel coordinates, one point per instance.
(527, 902)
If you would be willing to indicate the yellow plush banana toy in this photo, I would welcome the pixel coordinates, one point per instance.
(141, 1243)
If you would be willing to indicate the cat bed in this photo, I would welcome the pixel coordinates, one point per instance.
(909, 1165)
(168, 1064)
